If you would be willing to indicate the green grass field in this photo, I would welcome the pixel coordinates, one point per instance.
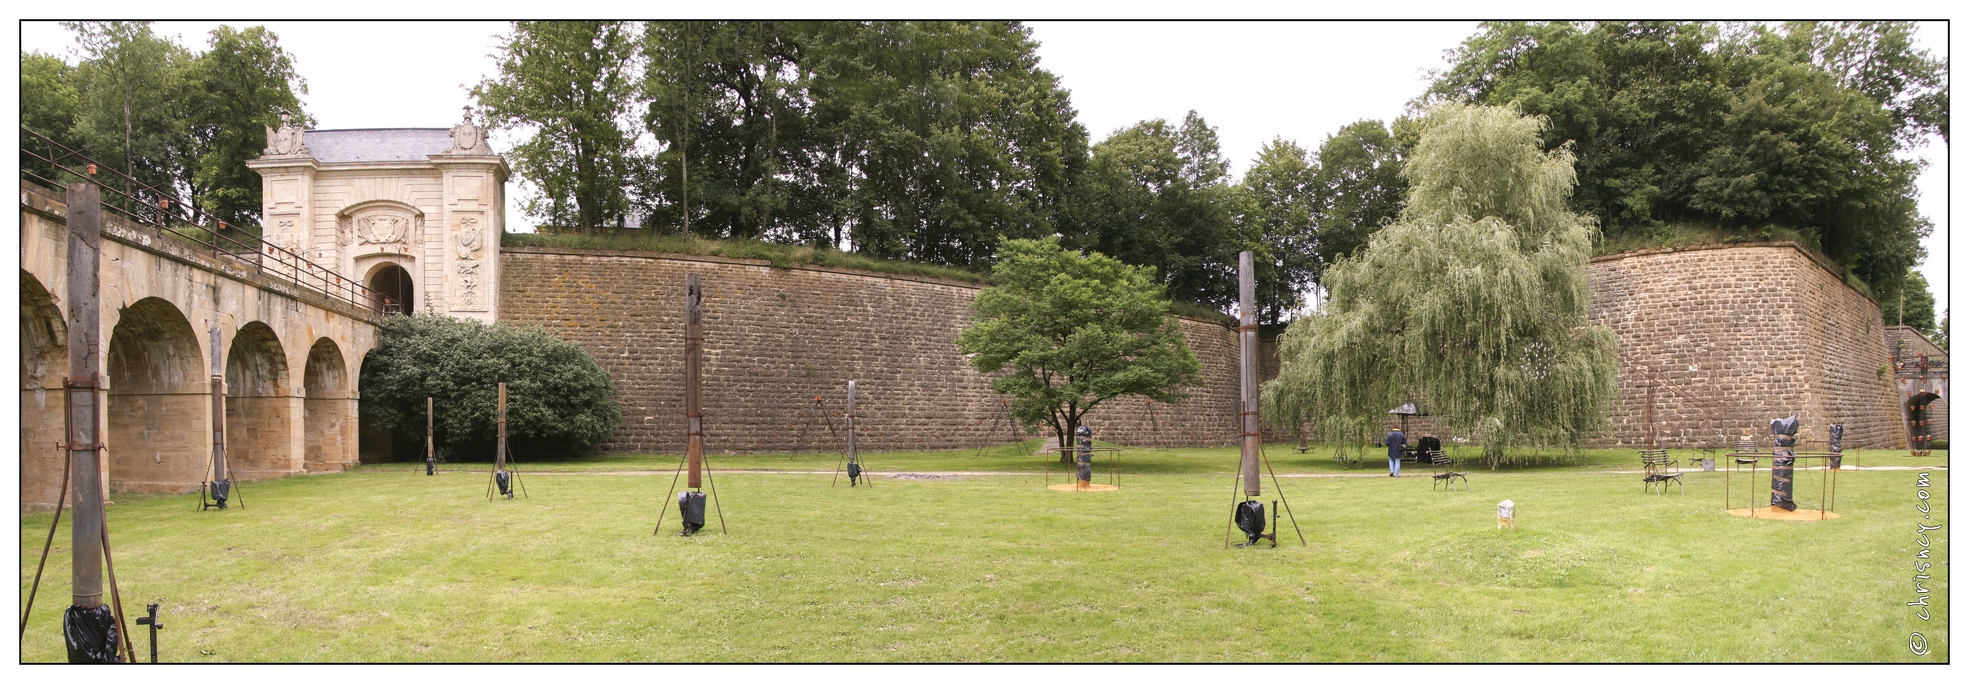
(383, 564)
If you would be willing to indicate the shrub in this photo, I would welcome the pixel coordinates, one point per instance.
(559, 401)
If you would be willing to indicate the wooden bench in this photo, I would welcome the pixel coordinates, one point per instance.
(1659, 471)
(1444, 471)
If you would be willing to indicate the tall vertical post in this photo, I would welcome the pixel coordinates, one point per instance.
(430, 441)
(218, 413)
(499, 457)
(1247, 336)
(694, 379)
(88, 627)
(851, 422)
(1650, 417)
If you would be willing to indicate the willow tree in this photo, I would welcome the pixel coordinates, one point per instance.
(1475, 301)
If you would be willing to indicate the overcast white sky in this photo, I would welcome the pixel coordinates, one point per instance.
(1251, 80)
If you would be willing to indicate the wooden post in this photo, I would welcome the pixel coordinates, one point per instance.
(430, 442)
(1651, 409)
(1247, 335)
(82, 392)
(694, 379)
(218, 411)
(499, 457)
(851, 421)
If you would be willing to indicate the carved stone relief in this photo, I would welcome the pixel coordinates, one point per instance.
(471, 240)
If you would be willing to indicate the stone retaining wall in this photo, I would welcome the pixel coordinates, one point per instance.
(777, 338)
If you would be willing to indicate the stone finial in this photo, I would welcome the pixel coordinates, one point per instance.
(287, 141)
(468, 137)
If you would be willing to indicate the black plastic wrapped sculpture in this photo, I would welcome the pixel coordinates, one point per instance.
(1784, 432)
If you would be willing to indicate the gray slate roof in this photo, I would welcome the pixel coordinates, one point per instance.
(378, 144)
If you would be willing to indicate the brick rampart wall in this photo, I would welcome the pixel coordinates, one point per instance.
(775, 338)
(1747, 333)
(1750, 332)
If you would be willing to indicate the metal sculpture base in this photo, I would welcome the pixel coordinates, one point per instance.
(1083, 487)
(1779, 513)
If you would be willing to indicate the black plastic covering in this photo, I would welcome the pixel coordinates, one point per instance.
(854, 472)
(221, 490)
(1785, 430)
(430, 466)
(91, 635)
(505, 482)
(691, 505)
(1250, 517)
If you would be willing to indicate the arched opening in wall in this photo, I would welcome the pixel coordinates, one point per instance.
(160, 427)
(377, 444)
(1918, 413)
(329, 416)
(44, 362)
(262, 416)
(391, 290)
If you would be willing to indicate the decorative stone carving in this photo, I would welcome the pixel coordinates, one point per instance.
(468, 137)
(287, 141)
(383, 228)
(470, 240)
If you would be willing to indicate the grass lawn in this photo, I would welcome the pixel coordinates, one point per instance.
(383, 564)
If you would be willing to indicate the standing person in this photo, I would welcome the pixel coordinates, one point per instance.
(1395, 441)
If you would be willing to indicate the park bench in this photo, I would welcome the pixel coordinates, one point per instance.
(1659, 470)
(1443, 470)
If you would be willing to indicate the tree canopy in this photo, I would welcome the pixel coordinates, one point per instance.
(1475, 301)
(1801, 126)
(181, 121)
(571, 85)
(1064, 331)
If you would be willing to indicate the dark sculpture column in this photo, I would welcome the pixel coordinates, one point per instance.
(1084, 438)
(1785, 432)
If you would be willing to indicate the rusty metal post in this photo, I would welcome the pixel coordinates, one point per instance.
(499, 457)
(852, 458)
(86, 617)
(430, 443)
(1247, 335)
(218, 412)
(1651, 409)
(694, 380)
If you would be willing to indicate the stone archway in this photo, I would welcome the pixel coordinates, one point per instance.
(393, 290)
(44, 362)
(263, 416)
(159, 401)
(329, 416)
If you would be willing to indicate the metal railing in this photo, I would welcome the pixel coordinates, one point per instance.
(160, 208)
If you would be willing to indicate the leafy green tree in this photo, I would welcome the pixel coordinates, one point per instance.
(1358, 188)
(50, 103)
(1475, 301)
(950, 137)
(1278, 214)
(559, 401)
(729, 102)
(236, 89)
(1156, 195)
(1941, 340)
(132, 83)
(573, 85)
(1912, 305)
(1739, 127)
(1065, 331)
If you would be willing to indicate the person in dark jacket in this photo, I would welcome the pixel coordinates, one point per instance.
(1395, 441)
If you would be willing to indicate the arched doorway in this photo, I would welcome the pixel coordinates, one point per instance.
(160, 428)
(44, 362)
(392, 291)
(262, 416)
(329, 416)
(1920, 421)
